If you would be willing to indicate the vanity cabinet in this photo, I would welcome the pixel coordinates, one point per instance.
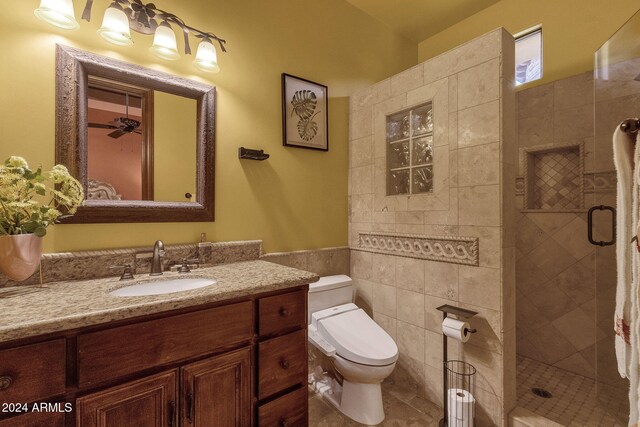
(240, 363)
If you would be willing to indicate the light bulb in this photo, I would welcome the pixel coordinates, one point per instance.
(164, 43)
(115, 27)
(57, 12)
(206, 57)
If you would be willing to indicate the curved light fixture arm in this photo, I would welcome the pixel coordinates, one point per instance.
(152, 13)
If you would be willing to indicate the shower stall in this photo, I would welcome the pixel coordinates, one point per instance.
(566, 253)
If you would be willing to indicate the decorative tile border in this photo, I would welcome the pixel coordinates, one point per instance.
(451, 249)
(600, 182)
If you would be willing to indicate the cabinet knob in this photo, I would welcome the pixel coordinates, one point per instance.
(5, 382)
(284, 312)
(284, 364)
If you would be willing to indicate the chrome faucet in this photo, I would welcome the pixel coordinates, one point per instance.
(156, 262)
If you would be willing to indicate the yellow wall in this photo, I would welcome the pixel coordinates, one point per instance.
(174, 147)
(295, 200)
(572, 30)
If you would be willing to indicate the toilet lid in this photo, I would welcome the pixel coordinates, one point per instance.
(358, 338)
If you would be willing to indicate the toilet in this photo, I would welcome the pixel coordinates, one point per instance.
(361, 351)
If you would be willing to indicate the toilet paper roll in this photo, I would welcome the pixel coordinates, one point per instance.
(461, 408)
(456, 329)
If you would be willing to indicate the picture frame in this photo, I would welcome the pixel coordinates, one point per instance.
(304, 113)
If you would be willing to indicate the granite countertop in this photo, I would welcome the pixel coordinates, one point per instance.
(69, 305)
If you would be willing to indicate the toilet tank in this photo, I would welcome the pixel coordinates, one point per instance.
(329, 291)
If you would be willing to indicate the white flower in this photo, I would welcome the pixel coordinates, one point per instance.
(17, 162)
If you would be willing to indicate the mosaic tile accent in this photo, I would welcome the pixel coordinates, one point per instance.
(451, 249)
(554, 179)
(520, 186)
(575, 401)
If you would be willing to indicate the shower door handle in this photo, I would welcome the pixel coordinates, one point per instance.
(590, 225)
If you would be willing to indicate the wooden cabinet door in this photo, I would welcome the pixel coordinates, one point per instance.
(149, 402)
(217, 391)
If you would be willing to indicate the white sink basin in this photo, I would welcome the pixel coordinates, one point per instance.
(159, 287)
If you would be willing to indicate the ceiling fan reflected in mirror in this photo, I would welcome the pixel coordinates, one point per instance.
(120, 125)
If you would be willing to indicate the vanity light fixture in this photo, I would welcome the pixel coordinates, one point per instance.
(115, 26)
(124, 15)
(164, 42)
(58, 12)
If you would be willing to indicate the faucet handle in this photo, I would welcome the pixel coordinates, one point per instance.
(186, 267)
(127, 273)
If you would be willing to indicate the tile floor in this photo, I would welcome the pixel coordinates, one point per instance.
(575, 401)
(402, 409)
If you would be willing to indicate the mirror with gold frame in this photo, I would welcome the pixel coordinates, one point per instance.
(140, 141)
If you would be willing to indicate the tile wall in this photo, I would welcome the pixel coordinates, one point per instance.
(474, 160)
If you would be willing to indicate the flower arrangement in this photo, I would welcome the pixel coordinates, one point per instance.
(30, 201)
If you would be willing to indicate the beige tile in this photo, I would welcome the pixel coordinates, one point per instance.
(578, 281)
(572, 238)
(488, 324)
(433, 317)
(433, 384)
(551, 258)
(583, 115)
(479, 165)
(488, 365)
(381, 91)
(329, 262)
(361, 123)
(385, 217)
(410, 218)
(410, 339)
(361, 152)
(489, 244)
(410, 274)
(551, 344)
(479, 205)
(479, 125)
(361, 99)
(410, 307)
(480, 286)
(441, 279)
(551, 222)
(290, 259)
(407, 80)
(534, 131)
(433, 349)
(389, 324)
(574, 92)
(551, 302)
(535, 102)
(453, 131)
(453, 94)
(361, 265)
(409, 229)
(384, 300)
(361, 180)
(384, 269)
(577, 328)
(479, 84)
(528, 235)
(364, 294)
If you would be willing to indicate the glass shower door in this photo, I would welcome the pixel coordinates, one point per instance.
(617, 98)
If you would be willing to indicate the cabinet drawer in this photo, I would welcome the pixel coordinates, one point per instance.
(281, 312)
(35, 419)
(116, 352)
(32, 372)
(289, 410)
(282, 363)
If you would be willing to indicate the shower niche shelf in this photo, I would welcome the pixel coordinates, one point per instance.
(553, 179)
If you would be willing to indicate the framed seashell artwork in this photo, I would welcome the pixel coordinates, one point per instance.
(304, 113)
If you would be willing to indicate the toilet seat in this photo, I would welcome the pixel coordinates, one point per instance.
(355, 335)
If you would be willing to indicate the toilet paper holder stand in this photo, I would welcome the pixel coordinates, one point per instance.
(460, 313)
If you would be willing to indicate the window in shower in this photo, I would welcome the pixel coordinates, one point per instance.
(529, 55)
(410, 151)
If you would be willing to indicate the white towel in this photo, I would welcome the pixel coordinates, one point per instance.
(624, 153)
